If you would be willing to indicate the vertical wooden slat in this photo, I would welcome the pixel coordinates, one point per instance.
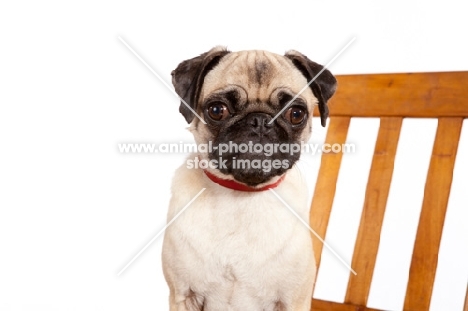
(466, 301)
(436, 193)
(378, 185)
(326, 182)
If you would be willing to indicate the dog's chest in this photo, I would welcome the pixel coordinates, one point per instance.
(242, 239)
(238, 228)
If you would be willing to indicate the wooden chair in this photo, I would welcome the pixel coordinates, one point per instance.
(392, 97)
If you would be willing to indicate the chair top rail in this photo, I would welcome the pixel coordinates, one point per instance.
(419, 95)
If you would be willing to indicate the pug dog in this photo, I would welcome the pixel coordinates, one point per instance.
(237, 247)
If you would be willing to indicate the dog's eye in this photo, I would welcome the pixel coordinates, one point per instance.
(295, 115)
(218, 111)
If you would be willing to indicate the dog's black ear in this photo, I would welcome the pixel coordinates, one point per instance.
(188, 78)
(324, 85)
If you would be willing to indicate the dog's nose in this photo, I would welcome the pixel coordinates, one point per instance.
(259, 122)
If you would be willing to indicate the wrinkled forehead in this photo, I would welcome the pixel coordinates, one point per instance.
(259, 73)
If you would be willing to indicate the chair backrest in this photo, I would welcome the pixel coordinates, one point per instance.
(393, 97)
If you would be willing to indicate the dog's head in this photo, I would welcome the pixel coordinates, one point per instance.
(242, 98)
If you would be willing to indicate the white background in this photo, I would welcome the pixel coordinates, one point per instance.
(73, 211)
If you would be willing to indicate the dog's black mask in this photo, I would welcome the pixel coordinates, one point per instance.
(257, 165)
(250, 146)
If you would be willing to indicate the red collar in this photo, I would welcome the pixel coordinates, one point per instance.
(234, 185)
